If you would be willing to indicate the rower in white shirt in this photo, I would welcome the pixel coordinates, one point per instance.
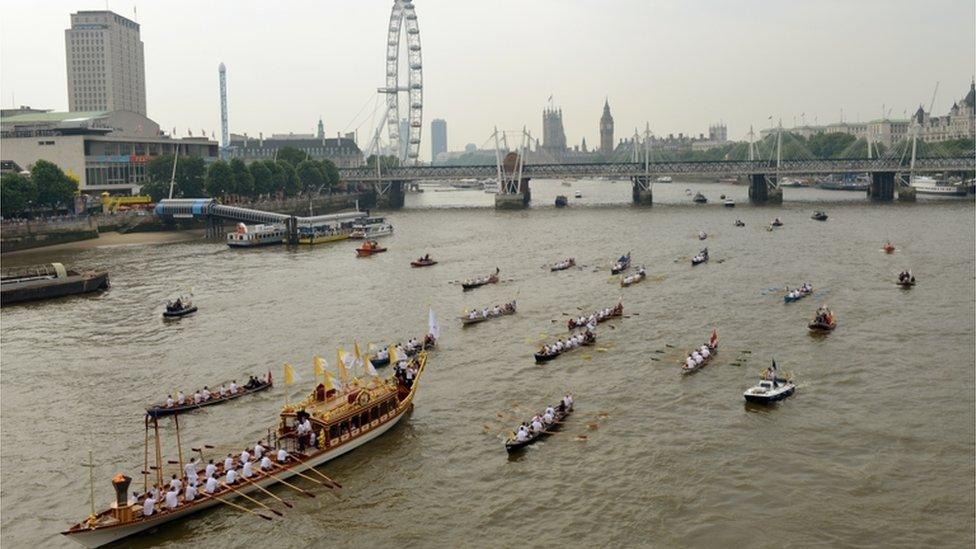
(180, 398)
(548, 417)
(228, 463)
(282, 455)
(690, 362)
(568, 401)
(210, 470)
(191, 492)
(222, 391)
(258, 450)
(190, 470)
(148, 506)
(175, 483)
(265, 463)
(247, 471)
(211, 485)
(206, 393)
(245, 456)
(536, 424)
(704, 351)
(521, 435)
(233, 387)
(169, 401)
(231, 476)
(197, 397)
(172, 499)
(697, 357)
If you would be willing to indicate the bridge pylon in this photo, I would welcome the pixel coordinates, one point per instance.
(643, 194)
(763, 189)
(513, 186)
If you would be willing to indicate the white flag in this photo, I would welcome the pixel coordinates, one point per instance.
(433, 328)
(370, 369)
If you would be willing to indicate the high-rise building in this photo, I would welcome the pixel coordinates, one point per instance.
(106, 67)
(553, 135)
(606, 129)
(438, 138)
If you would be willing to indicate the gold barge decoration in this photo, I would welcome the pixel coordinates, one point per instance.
(342, 420)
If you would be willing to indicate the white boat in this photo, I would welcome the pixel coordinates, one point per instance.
(664, 179)
(578, 194)
(729, 203)
(769, 390)
(924, 184)
(258, 235)
(371, 228)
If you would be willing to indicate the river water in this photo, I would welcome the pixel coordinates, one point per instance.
(874, 450)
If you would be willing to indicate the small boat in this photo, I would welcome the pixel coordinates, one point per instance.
(699, 199)
(621, 264)
(547, 353)
(473, 283)
(259, 235)
(369, 248)
(425, 261)
(819, 215)
(906, 279)
(514, 444)
(722, 197)
(371, 227)
(771, 388)
(739, 223)
(776, 223)
(596, 317)
(578, 194)
(47, 281)
(561, 201)
(664, 179)
(183, 306)
(475, 317)
(702, 235)
(824, 321)
(888, 248)
(689, 365)
(567, 184)
(729, 203)
(563, 265)
(382, 357)
(641, 274)
(702, 257)
(797, 293)
(159, 410)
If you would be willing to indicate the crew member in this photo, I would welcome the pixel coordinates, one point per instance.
(148, 506)
(191, 492)
(282, 455)
(211, 485)
(172, 499)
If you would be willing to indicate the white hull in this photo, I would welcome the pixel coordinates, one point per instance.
(100, 537)
(941, 190)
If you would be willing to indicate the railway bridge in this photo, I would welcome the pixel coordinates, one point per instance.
(887, 175)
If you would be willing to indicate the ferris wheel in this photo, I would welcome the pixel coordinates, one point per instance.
(403, 17)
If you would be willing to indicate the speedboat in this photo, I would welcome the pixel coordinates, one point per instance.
(729, 203)
(699, 199)
(369, 248)
(183, 306)
(578, 194)
(777, 223)
(769, 391)
(702, 235)
(621, 264)
(739, 223)
(819, 215)
(824, 321)
(425, 261)
(906, 279)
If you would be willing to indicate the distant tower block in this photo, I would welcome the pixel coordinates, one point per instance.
(224, 131)
(606, 129)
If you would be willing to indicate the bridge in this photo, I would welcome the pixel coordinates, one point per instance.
(763, 175)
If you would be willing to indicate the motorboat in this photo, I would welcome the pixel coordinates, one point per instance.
(258, 235)
(819, 215)
(728, 203)
(699, 199)
(561, 201)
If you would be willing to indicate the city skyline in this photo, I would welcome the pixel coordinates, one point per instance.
(285, 78)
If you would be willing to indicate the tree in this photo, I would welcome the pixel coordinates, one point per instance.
(331, 173)
(243, 181)
(190, 175)
(386, 161)
(16, 194)
(54, 188)
(292, 156)
(220, 179)
(157, 190)
(310, 175)
(830, 145)
(262, 176)
(289, 179)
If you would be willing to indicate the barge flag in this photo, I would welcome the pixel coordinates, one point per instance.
(341, 365)
(289, 374)
(434, 329)
(319, 368)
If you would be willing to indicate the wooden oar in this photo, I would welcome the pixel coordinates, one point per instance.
(290, 485)
(235, 506)
(319, 473)
(266, 491)
(249, 498)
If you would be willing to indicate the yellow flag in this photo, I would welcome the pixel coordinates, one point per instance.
(358, 355)
(289, 374)
(317, 361)
(393, 356)
(330, 383)
(341, 365)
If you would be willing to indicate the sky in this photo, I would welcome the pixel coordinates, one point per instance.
(675, 65)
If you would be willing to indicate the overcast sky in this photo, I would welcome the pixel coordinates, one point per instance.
(678, 65)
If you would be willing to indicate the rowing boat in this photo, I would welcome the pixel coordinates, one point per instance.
(589, 338)
(797, 294)
(513, 445)
(428, 343)
(471, 284)
(159, 410)
(563, 265)
(641, 274)
(621, 264)
(712, 351)
(342, 420)
(507, 309)
(598, 316)
(702, 257)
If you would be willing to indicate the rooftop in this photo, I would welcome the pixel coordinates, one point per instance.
(72, 116)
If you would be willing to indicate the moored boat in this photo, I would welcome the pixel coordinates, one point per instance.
(664, 179)
(538, 428)
(258, 235)
(472, 283)
(929, 185)
(369, 248)
(475, 316)
(35, 282)
(371, 227)
(339, 418)
(621, 264)
(563, 265)
(639, 275)
(701, 356)
(168, 408)
(578, 194)
(550, 352)
(702, 257)
(596, 317)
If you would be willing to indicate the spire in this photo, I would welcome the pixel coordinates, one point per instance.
(970, 99)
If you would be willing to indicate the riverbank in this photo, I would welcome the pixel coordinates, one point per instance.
(105, 240)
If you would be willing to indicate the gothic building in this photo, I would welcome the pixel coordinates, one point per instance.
(553, 135)
(606, 129)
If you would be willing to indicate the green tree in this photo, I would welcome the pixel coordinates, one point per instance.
(292, 156)
(157, 190)
(829, 145)
(220, 179)
(387, 161)
(262, 176)
(191, 173)
(289, 179)
(310, 175)
(331, 173)
(243, 181)
(54, 188)
(16, 194)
